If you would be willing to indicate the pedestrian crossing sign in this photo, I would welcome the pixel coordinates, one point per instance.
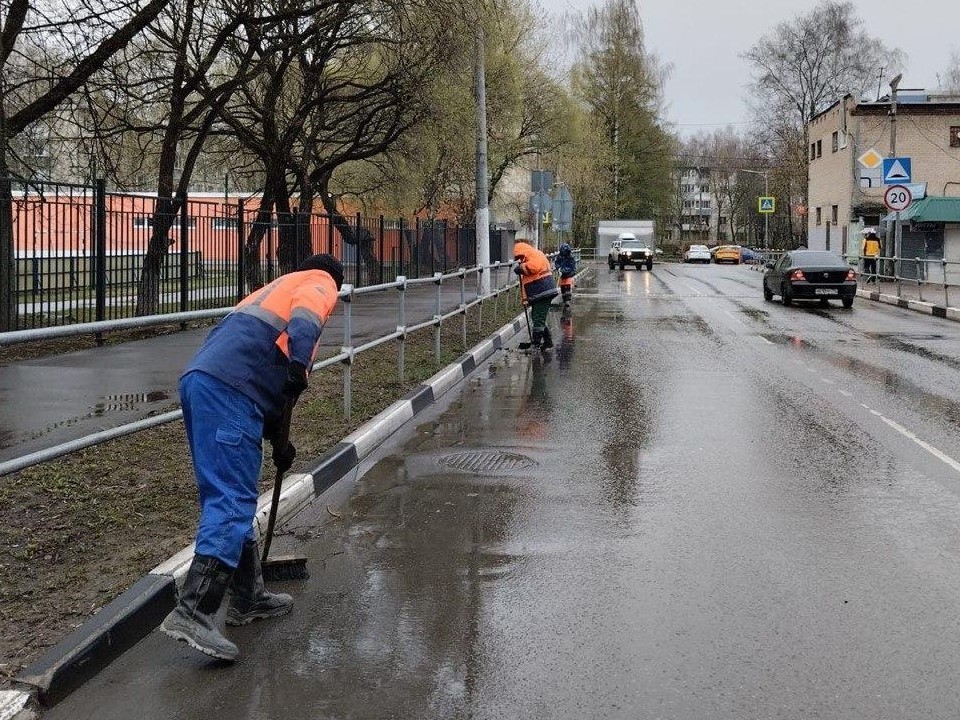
(767, 204)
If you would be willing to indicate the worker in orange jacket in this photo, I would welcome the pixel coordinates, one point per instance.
(234, 393)
(538, 289)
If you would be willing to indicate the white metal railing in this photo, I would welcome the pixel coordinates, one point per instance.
(502, 281)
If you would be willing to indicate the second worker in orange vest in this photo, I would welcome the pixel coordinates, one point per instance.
(538, 289)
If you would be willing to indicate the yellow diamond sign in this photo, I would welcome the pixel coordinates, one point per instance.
(870, 159)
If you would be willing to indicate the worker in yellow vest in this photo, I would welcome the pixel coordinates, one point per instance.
(870, 251)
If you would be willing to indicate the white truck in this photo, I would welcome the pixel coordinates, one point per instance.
(626, 242)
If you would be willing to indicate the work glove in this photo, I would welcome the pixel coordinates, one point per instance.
(518, 269)
(283, 457)
(296, 381)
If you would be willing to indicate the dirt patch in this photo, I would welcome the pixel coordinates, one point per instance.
(76, 532)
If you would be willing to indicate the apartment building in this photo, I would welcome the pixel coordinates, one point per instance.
(846, 194)
(699, 218)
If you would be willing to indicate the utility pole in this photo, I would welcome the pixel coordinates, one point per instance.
(897, 227)
(483, 183)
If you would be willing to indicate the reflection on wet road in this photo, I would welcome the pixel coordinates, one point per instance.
(700, 505)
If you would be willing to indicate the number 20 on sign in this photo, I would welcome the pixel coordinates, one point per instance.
(897, 198)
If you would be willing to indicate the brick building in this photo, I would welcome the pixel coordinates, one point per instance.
(845, 196)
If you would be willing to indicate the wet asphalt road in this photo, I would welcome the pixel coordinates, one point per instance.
(701, 505)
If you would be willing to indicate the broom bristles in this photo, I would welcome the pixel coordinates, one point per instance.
(285, 568)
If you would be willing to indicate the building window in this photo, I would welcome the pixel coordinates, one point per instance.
(819, 217)
(834, 214)
(835, 141)
(813, 151)
(955, 136)
(819, 148)
(223, 223)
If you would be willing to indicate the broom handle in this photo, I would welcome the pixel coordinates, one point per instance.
(278, 482)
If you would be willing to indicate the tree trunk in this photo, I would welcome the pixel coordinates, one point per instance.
(361, 238)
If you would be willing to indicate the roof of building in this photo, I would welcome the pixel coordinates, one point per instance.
(913, 102)
(934, 210)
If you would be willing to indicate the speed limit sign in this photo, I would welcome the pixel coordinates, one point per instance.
(897, 197)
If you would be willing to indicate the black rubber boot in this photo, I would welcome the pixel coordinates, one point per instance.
(249, 599)
(194, 619)
(567, 296)
(536, 339)
(547, 339)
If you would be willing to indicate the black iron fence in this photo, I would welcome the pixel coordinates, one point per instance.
(81, 253)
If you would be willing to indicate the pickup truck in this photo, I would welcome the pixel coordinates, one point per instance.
(628, 250)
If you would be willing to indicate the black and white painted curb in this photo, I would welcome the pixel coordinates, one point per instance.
(950, 313)
(134, 614)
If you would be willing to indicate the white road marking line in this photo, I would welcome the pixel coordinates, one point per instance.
(845, 393)
(865, 406)
(768, 342)
(939, 454)
(828, 382)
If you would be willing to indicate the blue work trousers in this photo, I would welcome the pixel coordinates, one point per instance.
(225, 430)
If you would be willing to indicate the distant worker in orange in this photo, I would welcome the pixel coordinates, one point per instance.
(538, 289)
(870, 251)
(566, 264)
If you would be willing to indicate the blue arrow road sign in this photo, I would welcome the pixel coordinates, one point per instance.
(897, 171)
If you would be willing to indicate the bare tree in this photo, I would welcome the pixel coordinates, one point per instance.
(801, 68)
(950, 80)
(47, 52)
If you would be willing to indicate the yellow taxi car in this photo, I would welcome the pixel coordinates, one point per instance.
(727, 254)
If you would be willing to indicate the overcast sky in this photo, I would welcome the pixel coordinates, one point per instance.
(702, 40)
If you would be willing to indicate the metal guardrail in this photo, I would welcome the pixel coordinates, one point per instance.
(502, 282)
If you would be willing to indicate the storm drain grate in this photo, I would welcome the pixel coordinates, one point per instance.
(487, 460)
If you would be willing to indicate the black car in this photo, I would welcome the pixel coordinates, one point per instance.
(810, 275)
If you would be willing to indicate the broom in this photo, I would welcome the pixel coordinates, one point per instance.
(526, 345)
(283, 567)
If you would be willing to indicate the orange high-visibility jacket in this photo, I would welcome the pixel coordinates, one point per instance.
(252, 347)
(536, 275)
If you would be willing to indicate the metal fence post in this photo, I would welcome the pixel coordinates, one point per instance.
(463, 305)
(184, 256)
(348, 349)
(401, 241)
(241, 255)
(438, 280)
(382, 256)
(357, 254)
(495, 285)
(330, 235)
(402, 327)
(100, 240)
(946, 295)
(415, 248)
(896, 276)
(480, 300)
(916, 271)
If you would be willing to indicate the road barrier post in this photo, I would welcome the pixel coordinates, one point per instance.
(348, 351)
(438, 279)
(402, 326)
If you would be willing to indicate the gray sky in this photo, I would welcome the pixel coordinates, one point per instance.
(702, 39)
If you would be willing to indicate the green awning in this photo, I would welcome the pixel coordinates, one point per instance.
(934, 210)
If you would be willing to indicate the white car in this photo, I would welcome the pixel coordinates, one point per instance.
(697, 254)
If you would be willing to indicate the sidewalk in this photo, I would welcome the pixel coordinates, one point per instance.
(56, 399)
(927, 299)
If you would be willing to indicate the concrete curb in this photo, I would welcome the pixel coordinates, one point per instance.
(12, 702)
(949, 313)
(137, 612)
